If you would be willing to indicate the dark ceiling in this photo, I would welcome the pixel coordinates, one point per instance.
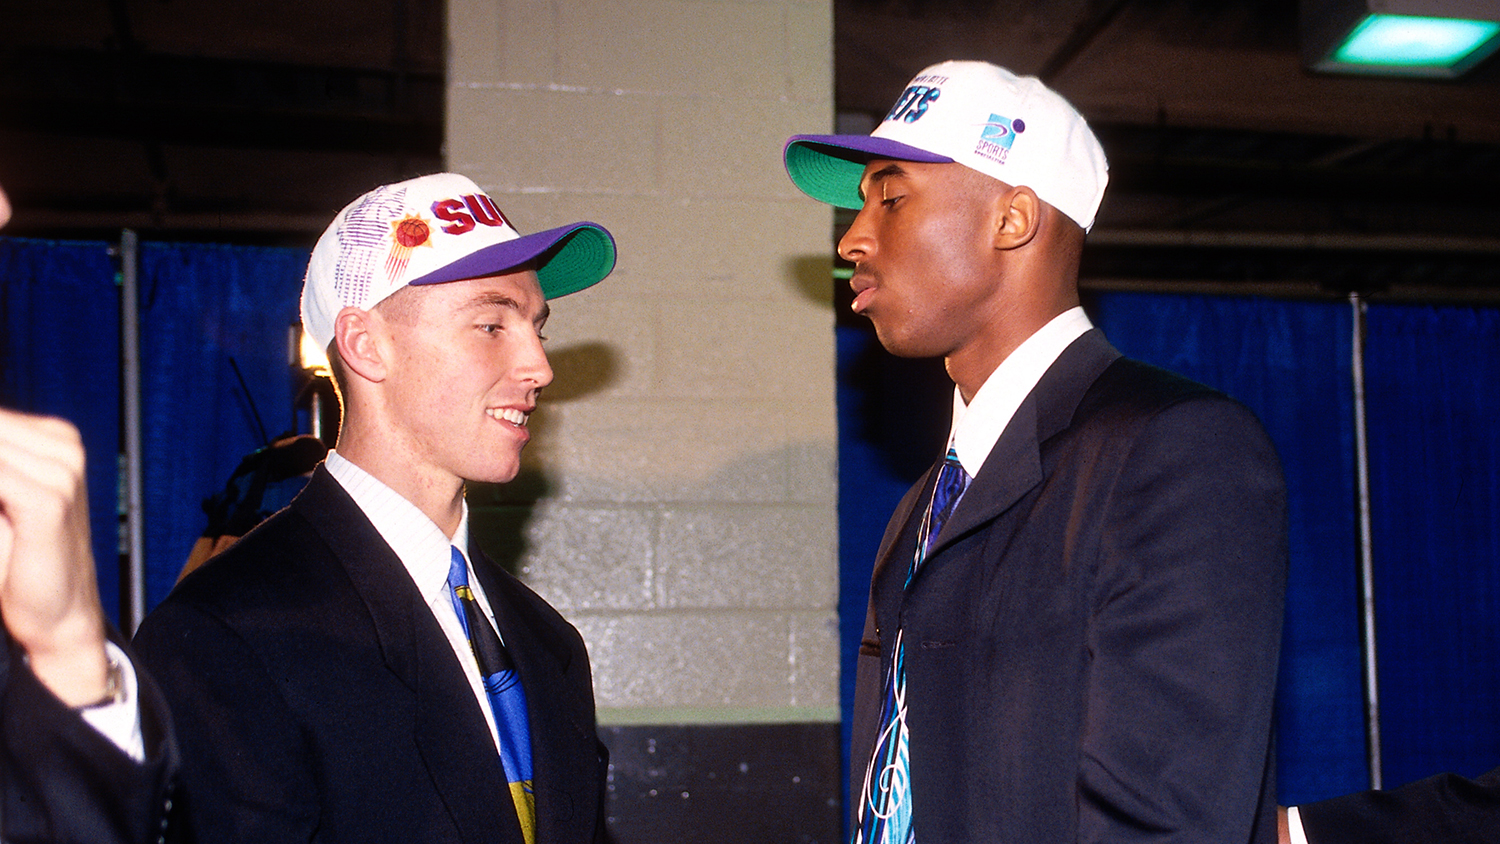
(252, 121)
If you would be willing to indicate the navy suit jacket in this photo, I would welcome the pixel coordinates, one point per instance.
(317, 699)
(1445, 809)
(61, 781)
(1091, 644)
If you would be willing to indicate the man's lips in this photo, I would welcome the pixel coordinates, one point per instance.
(863, 286)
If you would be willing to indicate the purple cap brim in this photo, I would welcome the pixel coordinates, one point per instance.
(828, 167)
(568, 259)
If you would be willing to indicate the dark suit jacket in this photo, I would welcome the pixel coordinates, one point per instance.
(61, 781)
(1445, 809)
(1091, 644)
(316, 698)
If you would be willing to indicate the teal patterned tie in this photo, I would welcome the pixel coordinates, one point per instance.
(885, 809)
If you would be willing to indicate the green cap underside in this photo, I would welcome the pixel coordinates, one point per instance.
(581, 259)
(825, 175)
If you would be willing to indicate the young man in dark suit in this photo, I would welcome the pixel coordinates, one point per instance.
(1074, 618)
(355, 669)
(86, 748)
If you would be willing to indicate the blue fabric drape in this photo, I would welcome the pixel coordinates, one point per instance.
(60, 356)
(206, 310)
(1289, 362)
(1433, 394)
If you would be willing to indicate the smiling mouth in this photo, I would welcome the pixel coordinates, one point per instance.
(508, 414)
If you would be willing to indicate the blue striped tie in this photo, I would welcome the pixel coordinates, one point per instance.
(503, 688)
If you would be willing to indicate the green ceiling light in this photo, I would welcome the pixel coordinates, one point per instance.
(1422, 38)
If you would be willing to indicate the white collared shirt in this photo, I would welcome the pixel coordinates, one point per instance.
(423, 549)
(1295, 833)
(977, 425)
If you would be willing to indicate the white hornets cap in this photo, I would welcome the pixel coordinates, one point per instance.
(1010, 127)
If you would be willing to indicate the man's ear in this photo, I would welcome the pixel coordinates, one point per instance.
(356, 333)
(1020, 217)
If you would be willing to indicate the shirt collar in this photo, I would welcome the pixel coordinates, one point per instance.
(977, 425)
(416, 539)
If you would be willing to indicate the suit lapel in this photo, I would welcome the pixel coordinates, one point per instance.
(456, 745)
(901, 531)
(1014, 466)
(451, 735)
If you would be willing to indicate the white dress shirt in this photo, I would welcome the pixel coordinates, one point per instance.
(978, 424)
(1295, 833)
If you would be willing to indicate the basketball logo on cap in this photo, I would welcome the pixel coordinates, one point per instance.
(407, 233)
(412, 231)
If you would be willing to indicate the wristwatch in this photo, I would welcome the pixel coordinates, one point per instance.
(114, 685)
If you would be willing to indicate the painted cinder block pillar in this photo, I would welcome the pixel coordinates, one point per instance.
(678, 501)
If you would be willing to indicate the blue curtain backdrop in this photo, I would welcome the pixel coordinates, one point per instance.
(1433, 393)
(205, 311)
(60, 356)
(1289, 362)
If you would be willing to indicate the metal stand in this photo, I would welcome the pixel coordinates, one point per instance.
(1366, 559)
(132, 542)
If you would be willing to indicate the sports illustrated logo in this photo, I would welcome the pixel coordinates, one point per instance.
(996, 137)
(462, 215)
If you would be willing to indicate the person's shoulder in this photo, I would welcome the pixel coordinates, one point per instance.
(283, 549)
(1148, 386)
(1131, 387)
(1139, 402)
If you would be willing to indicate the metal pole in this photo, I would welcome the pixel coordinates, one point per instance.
(130, 343)
(1366, 559)
(315, 412)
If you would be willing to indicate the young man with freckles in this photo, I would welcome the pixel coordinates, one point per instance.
(1075, 615)
(355, 668)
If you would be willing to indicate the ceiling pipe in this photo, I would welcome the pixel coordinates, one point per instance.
(1445, 244)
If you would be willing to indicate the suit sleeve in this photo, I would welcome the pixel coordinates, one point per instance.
(1184, 633)
(246, 768)
(61, 781)
(1444, 808)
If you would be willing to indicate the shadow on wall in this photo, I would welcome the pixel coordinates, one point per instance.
(501, 511)
(499, 514)
(809, 275)
(581, 370)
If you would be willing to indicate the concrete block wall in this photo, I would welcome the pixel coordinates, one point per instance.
(678, 497)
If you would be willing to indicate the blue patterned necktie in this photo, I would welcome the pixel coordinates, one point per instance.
(885, 808)
(952, 482)
(503, 688)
